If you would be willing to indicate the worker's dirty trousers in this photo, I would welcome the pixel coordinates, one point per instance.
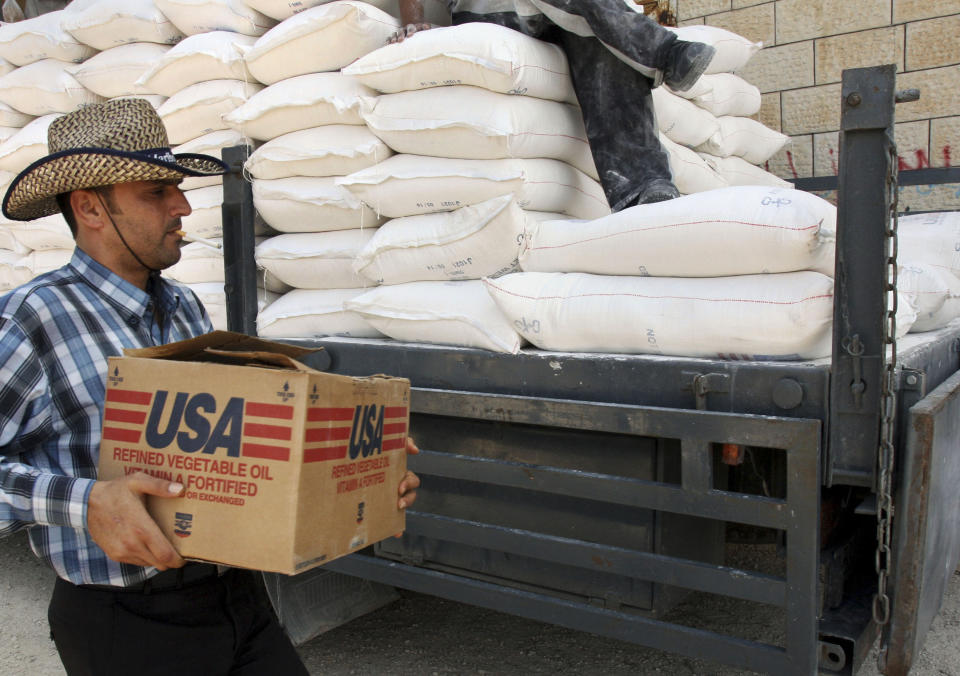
(613, 89)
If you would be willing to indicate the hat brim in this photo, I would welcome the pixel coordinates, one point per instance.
(32, 194)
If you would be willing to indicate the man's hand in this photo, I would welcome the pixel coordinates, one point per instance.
(410, 482)
(407, 31)
(411, 20)
(118, 521)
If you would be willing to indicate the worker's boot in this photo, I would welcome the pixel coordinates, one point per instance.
(685, 63)
(658, 190)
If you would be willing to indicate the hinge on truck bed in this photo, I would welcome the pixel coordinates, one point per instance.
(703, 384)
(854, 347)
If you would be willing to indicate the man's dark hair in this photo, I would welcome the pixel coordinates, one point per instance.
(63, 201)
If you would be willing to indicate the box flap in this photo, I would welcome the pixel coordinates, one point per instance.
(256, 358)
(195, 349)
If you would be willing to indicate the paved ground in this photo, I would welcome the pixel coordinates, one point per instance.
(421, 635)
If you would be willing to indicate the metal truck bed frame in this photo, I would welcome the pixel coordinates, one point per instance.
(534, 463)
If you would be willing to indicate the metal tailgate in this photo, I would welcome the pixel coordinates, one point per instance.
(927, 530)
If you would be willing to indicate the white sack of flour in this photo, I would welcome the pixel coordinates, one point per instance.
(733, 51)
(105, 24)
(724, 94)
(435, 13)
(202, 16)
(479, 54)
(407, 185)
(748, 317)
(331, 150)
(312, 313)
(478, 241)
(682, 121)
(739, 230)
(302, 102)
(320, 39)
(473, 123)
(691, 172)
(44, 87)
(217, 55)
(42, 37)
(315, 260)
(115, 72)
(26, 146)
(310, 204)
(199, 109)
(445, 313)
(932, 239)
(744, 137)
(49, 232)
(737, 171)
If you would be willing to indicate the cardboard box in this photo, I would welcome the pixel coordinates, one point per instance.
(285, 467)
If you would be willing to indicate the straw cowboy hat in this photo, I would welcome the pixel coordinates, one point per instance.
(118, 141)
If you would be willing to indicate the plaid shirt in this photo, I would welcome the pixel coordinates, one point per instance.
(56, 333)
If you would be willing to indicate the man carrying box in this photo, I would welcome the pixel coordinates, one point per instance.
(124, 602)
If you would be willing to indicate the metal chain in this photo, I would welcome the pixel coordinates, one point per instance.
(888, 402)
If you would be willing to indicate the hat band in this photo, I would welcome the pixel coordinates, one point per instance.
(158, 154)
(162, 156)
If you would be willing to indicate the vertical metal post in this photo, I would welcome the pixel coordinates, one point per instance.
(240, 268)
(863, 211)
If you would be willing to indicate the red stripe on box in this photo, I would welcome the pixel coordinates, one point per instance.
(124, 416)
(265, 452)
(129, 397)
(393, 444)
(267, 431)
(395, 412)
(327, 434)
(394, 428)
(119, 434)
(278, 411)
(329, 414)
(321, 454)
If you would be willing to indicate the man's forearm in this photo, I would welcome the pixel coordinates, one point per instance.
(411, 11)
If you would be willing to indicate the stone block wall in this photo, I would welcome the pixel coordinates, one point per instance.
(807, 45)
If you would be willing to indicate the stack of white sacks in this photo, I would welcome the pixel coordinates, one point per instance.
(708, 130)
(473, 164)
(309, 120)
(740, 267)
(36, 87)
(487, 134)
(928, 274)
(743, 271)
(102, 49)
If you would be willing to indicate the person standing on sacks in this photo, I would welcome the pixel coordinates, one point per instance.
(616, 56)
(124, 601)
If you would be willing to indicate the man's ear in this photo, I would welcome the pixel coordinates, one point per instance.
(88, 209)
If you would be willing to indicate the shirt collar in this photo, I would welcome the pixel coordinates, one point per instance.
(130, 300)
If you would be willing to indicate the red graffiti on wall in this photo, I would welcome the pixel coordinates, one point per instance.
(916, 159)
(922, 162)
(793, 167)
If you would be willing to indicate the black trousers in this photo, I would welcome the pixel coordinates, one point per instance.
(212, 627)
(614, 97)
